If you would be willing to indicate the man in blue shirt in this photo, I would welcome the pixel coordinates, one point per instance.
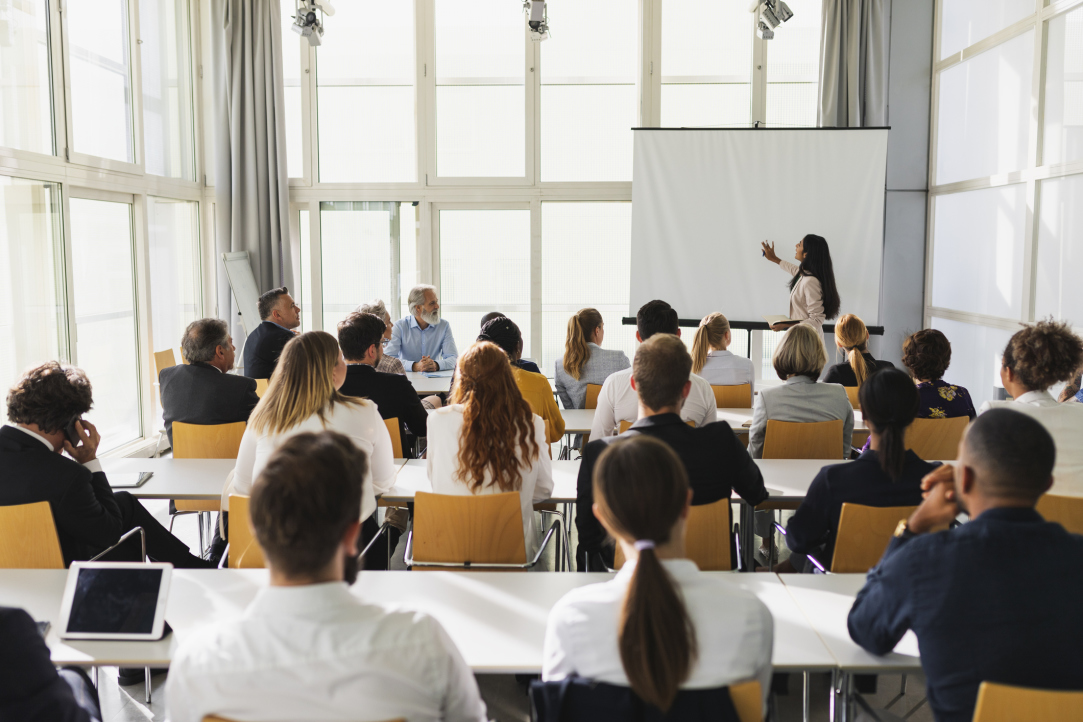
(996, 599)
(423, 341)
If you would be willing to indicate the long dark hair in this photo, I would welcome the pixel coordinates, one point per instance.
(889, 402)
(641, 488)
(817, 263)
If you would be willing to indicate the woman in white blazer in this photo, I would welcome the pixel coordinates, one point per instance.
(814, 296)
(487, 440)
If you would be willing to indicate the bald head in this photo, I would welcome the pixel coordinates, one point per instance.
(1012, 455)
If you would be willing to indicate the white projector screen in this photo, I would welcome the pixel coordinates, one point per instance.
(704, 199)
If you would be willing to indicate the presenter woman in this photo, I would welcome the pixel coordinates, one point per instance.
(814, 297)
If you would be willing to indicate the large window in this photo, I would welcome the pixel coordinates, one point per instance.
(293, 47)
(168, 129)
(359, 241)
(175, 288)
(26, 105)
(793, 67)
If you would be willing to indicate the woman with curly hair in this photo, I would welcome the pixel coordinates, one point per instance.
(927, 355)
(1036, 358)
(487, 440)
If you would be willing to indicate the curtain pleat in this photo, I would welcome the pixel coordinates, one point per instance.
(853, 64)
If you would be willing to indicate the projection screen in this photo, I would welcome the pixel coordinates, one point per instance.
(704, 199)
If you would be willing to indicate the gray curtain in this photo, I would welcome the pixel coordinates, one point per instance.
(251, 183)
(853, 63)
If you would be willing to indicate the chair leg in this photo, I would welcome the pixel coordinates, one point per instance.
(146, 684)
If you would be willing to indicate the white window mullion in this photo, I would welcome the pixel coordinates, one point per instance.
(759, 74)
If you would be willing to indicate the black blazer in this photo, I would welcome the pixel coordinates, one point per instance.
(201, 394)
(393, 394)
(716, 462)
(87, 517)
(262, 349)
(30, 688)
(844, 373)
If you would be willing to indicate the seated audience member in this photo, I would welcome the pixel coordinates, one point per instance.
(799, 358)
(617, 400)
(585, 361)
(713, 362)
(90, 517)
(714, 460)
(1036, 358)
(304, 396)
(524, 364)
(487, 440)
(489, 317)
(359, 337)
(306, 648)
(534, 387)
(1071, 393)
(660, 625)
(388, 364)
(423, 340)
(852, 336)
(888, 474)
(203, 391)
(31, 688)
(279, 316)
(987, 600)
(927, 355)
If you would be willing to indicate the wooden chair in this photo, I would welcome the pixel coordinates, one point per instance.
(1064, 510)
(28, 538)
(851, 393)
(163, 360)
(707, 540)
(592, 396)
(243, 551)
(261, 386)
(936, 439)
(1003, 703)
(863, 535)
(747, 701)
(795, 440)
(204, 441)
(733, 397)
(395, 432)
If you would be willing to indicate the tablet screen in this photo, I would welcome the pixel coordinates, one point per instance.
(115, 601)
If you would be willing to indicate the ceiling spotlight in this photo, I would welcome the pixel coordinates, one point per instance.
(764, 31)
(771, 14)
(782, 10)
(767, 16)
(307, 23)
(537, 19)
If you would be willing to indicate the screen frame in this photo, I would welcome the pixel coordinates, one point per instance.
(159, 609)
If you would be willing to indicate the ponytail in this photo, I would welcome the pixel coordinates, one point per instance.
(854, 337)
(641, 489)
(581, 327)
(889, 403)
(710, 334)
(857, 363)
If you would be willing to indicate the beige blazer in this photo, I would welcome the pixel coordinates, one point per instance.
(806, 299)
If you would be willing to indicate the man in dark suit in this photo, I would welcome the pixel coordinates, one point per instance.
(279, 315)
(716, 462)
(89, 517)
(31, 689)
(989, 601)
(203, 391)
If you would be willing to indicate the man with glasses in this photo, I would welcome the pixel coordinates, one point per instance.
(423, 341)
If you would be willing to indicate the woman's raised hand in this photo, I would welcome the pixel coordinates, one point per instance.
(769, 252)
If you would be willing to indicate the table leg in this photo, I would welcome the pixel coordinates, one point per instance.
(146, 683)
(805, 698)
(748, 539)
(831, 695)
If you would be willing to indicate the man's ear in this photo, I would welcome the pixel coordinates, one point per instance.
(966, 478)
(638, 337)
(632, 380)
(687, 389)
(350, 537)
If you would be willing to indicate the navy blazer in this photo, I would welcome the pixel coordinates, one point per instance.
(201, 394)
(393, 394)
(996, 599)
(88, 518)
(813, 527)
(262, 349)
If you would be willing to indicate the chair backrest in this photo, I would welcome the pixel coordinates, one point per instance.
(1064, 510)
(624, 426)
(851, 393)
(244, 552)
(207, 441)
(747, 698)
(733, 397)
(578, 699)
(707, 540)
(261, 386)
(936, 439)
(1003, 703)
(481, 529)
(810, 440)
(863, 535)
(592, 396)
(163, 360)
(395, 432)
(28, 537)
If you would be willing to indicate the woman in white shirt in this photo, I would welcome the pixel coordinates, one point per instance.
(660, 625)
(1036, 358)
(303, 396)
(487, 440)
(712, 361)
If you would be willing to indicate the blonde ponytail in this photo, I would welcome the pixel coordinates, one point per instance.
(854, 336)
(581, 327)
(710, 334)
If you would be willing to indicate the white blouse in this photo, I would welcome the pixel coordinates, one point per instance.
(806, 299)
(725, 368)
(445, 428)
(360, 421)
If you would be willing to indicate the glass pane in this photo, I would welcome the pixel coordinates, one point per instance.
(965, 22)
(26, 107)
(366, 95)
(697, 105)
(1057, 291)
(480, 95)
(292, 47)
(32, 330)
(985, 112)
(168, 142)
(407, 258)
(588, 95)
(484, 266)
(175, 287)
(1063, 137)
(355, 241)
(100, 88)
(978, 251)
(305, 283)
(976, 353)
(101, 248)
(793, 67)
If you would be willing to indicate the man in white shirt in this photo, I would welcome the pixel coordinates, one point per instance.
(618, 401)
(306, 648)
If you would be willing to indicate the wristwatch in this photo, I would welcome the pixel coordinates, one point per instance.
(901, 529)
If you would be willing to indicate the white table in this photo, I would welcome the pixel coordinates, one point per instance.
(413, 477)
(174, 478)
(426, 386)
(579, 421)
